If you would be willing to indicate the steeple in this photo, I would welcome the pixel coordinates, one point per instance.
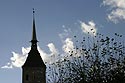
(34, 38)
(34, 59)
(34, 69)
(34, 29)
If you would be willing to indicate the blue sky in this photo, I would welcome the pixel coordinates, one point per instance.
(56, 20)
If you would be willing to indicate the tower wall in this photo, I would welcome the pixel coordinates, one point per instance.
(34, 69)
(34, 75)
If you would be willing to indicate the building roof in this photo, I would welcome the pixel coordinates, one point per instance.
(34, 59)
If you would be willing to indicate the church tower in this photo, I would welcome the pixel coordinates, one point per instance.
(34, 69)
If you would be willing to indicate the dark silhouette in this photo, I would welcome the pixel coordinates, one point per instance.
(96, 59)
(34, 69)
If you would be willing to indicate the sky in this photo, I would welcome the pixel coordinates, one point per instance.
(57, 21)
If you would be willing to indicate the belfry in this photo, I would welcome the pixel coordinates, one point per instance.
(34, 69)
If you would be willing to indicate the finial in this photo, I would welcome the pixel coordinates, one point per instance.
(33, 10)
(34, 38)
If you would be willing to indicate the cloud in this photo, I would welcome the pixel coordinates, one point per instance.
(53, 49)
(68, 45)
(90, 27)
(117, 10)
(17, 60)
(54, 55)
(66, 32)
(7, 66)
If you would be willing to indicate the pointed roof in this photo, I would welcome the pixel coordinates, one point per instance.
(34, 59)
(34, 30)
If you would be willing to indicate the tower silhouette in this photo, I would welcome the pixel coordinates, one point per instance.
(34, 69)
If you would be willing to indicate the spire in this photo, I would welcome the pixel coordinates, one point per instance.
(34, 59)
(34, 38)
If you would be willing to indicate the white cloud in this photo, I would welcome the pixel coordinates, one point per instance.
(52, 49)
(17, 60)
(8, 66)
(68, 45)
(66, 32)
(44, 55)
(54, 55)
(117, 10)
(90, 27)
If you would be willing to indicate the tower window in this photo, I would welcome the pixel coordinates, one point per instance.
(27, 77)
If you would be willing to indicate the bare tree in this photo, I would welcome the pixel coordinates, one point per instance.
(95, 59)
